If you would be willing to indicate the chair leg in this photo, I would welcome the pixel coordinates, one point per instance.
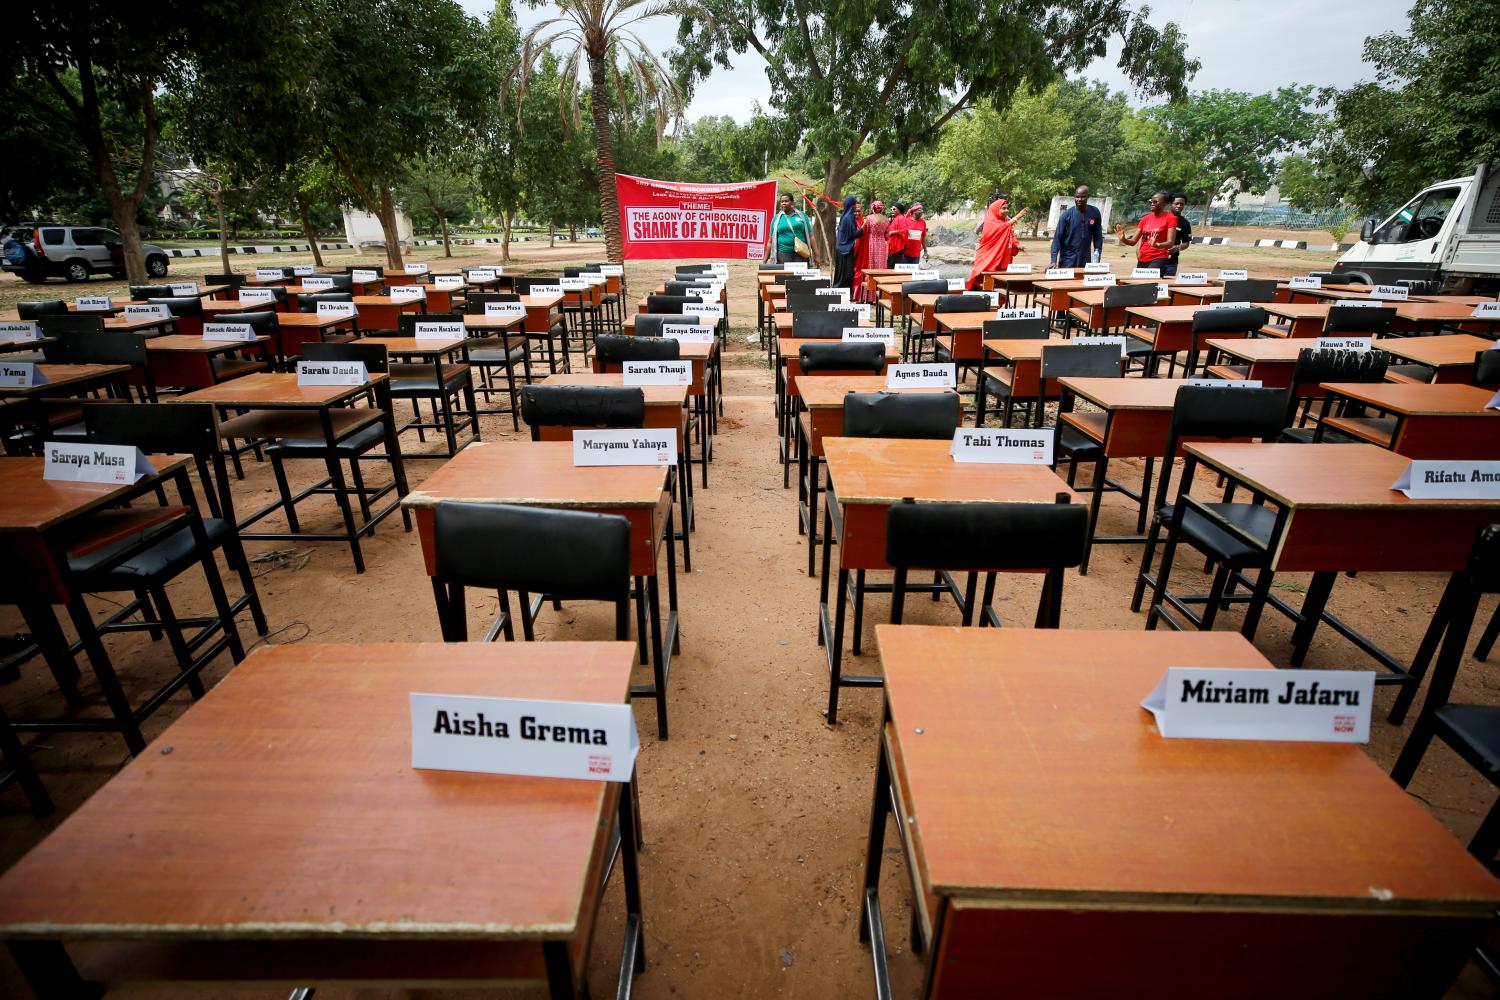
(341, 494)
(898, 595)
(509, 626)
(836, 650)
(989, 599)
(1146, 557)
(183, 655)
(640, 619)
(279, 468)
(1486, 842)
(856, 642)
(528, 630)
(1487, 640)
(1215, 596)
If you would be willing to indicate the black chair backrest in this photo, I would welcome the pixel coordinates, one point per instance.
(1335, 365)
(688, 289)
(309, 303)
(927, 286)
(695, 268)
(406, 323)
(341, 282)
(475, 302)
(1487, 367)
(192, 306)
(95, 347)
(278, 292)
(985, 536)
(614, 348)
(1248, 319)
(667, 303)
(962, 304)
(232, 280)
(1330, 278)
(809, 302)
(855, 356)
(822, 325)
(1016, 329)
(572, 272)
(179, 429)
(141, 293)
(583, 406)
(534, 550)
(66, 323)
(799, 284)
(1120, 296)
(373, 355)
(932, 415)
(1212, 412)
(1081, 361)
(265, 324)
(36, 310)
(771, 265)
(649, 324)
(1373, 321)
(1250, 290)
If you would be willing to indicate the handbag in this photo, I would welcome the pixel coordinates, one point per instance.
(800, 247)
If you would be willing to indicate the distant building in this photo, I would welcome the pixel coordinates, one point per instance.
(362, 227)
(1061, 203)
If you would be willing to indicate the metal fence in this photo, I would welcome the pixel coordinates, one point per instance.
(1269, 216)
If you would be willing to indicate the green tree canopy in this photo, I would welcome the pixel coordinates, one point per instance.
(1025, 150)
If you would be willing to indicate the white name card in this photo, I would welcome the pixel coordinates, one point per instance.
(711, 310)
(1145, 272)
(1059, 274)
(615, 270)
(1344, 343)
(1003, 447)
(1450, 479)
(270, 274)
(510, 310)
(1390, 293)
(110, 464)
(21, 375)
(688, 333)
(342, 310)
(1162, 291)
(147, 312)
(1307, 706)
(448, 281)
(1098, 267)
(184, 289)
(542, 739)
(794, 266)
(1487, 310)
(257, 295)
(303, 270)
(1018, 269)
(573, 284)
(881, 334)
(1116, 341)
(1221, 383)
(314, 283)
(927, 275)
(1233, 274)
(860, 309)
(439, 330)
(364, 274)
(332, 373)
(842, 294)
(416, 268)
(228, 331)
(483, 273)
(1099, 280)
(93, 303)
(658, 372)
(1019, 312)
(594, 278)
(632, 446)
(1305, 281)
(1229, 305)
(922, 376)
(908, 268)
(994, 297)
(406, 293)
(25, 330)
(1356, 304)
(554, 288)
(955, 284)
(1192, 277)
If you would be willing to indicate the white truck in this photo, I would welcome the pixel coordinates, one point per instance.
(1449, 235)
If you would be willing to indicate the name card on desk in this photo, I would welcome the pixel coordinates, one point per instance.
(1163, 291)
(303, 270)
(270, 274)
(184, 289)
(1390, 293)
(1018, 269)
(688, 333)
(1103, 280)
(110, 464)
(616, 270)
(439, 330)
(317, 283)
(1145, 272)
(93, 303)
(658, 372)
(994, 297)
(1058, 274)
(955, 284)
(710, 310)
(406, 293)
(1115, 341)
(332, 373)
(860, 309)
(1233, 274)
(1305, 281)
(551, 288)
(447, 281)
(21, 375)
(1487, 310)
(632, 446)
(595, 278)
(1356, 304)
(24, 330)
(908, 268)
(922, 376)
(483, 273)
(574, 284)
(228, 331)
(507, 309)
(842, 294)
(147, 312)
(1098, 267)
(415, 268)
(1220, 383)
(364, 274)
(337, 310)
(543, 739)
(1003, 447)
(719, 267)
(795, 266)
(257, 295)
(1303, 706)
(1344, 343)
(1019, 312)
(880, 334)
(930, 274)
(1494, 403)
(1230, 305)
(1450, 479)
(1192, 278)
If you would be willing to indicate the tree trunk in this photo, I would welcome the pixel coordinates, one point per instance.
(388, 228)
(551, 235)
(572, 234)
(122, 211)
(1207, 207)
(443, 221)
(834, 177)
(223, 236)
(604, 158)
(506, 218)
(307, 231)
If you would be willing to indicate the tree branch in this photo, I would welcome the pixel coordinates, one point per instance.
(881, 152)
(812, 56)
(148, 148)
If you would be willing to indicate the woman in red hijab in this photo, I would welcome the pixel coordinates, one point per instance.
(998, 245)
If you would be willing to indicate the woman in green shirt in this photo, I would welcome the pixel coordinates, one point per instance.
(789, 226)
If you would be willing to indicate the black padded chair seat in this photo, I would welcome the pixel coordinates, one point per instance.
(418, 380)
(1073, 443)
(497, 356)
(997, 380)
(1476, 725)
(1212, 540)
(166, 558)
(355, 444)
(1305, 435)
(1408, 373)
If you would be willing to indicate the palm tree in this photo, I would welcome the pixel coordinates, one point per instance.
(602, 35)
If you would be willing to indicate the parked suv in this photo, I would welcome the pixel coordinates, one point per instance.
(38, 251)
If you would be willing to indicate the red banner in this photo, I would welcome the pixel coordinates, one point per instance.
(662, 220)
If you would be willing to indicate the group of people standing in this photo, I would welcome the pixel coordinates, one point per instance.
(863, 241)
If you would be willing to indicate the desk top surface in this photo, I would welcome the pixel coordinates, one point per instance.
(888, 470)
(1126, 393)
(36, 504)
(289, 807)
(273, 389)
(538, 473)
(1419, 398)
(1440, 351)
(61, 376)
(1022, 350)
(825, 392)
(1038, 778)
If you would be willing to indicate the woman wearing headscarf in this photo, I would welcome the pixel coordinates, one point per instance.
(998, 245)
(872, 251)
(895, 238)
(845, 243)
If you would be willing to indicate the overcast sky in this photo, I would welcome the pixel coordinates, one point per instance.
(1250, 45)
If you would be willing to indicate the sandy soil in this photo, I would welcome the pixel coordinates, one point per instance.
(755, 810)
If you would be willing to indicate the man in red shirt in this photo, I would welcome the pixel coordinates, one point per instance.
(1156, 233)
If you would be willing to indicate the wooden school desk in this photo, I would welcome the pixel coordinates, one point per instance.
(1087, 308)
(705, 391)
(543, 315)
(1436, 313)
(195, 363)
(865, 477)
(1450, 356)
(63, 382)
(1053, 293)
(961, 334)
(783, 323)
(1269, 360)
(1022, 371)
(380, 312)
(1014, 286)
(542, 474)
(440, 359)
(23, 346)
(297, 328)
(1061, 848)
(1333, 293)
(1299, 319)
(470, 880)
(1432, 421)
(1335, 513)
